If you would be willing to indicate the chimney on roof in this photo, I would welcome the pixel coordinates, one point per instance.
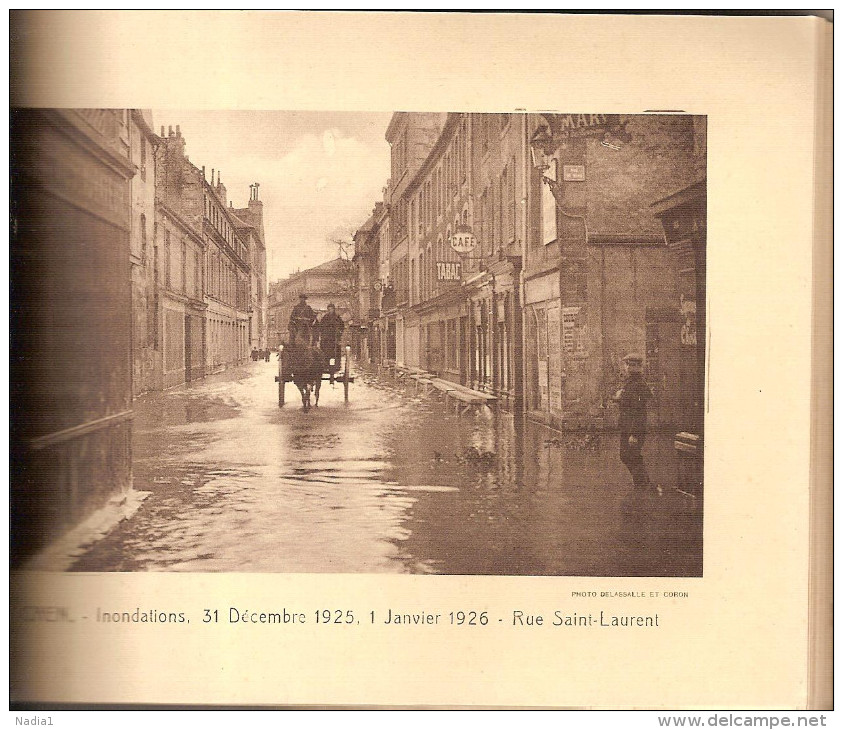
(170, 131)
(162, 130)
(178, 131)
(219, 188)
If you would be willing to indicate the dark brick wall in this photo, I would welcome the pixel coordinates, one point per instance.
(622, 183)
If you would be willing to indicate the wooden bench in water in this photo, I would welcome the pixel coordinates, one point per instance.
(463, 398)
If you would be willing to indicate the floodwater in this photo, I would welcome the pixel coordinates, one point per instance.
(389, 483)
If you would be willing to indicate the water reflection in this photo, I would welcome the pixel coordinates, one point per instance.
(389, 483)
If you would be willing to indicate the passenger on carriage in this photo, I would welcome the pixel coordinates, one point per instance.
(331, 327)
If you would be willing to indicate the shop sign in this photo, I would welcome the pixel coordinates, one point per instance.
(463, 241)
(573, 173)
(577, 126)
(448, 271)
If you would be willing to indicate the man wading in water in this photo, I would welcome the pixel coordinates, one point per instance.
(632, 399)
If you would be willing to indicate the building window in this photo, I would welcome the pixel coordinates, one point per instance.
(420, 212)
(463, 149)
(497, 211)
(412, 222)
(413, 284)
(184, 267)
(431, 266)
(451, 351)
(485, 225)
(420, 284)
(167, 262)
(197, 275)
(143, 236)
(143, 157)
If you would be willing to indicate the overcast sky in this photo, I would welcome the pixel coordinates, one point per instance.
(320, 173)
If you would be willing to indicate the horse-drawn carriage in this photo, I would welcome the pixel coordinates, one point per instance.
(306, 365)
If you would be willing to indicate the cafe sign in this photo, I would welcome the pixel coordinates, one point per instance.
(463, 241)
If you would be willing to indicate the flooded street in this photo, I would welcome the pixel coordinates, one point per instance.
(388, 483)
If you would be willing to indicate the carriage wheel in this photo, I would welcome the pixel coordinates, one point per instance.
(347, 368)
(281, 376)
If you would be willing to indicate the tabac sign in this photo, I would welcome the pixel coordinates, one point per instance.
(448, 271)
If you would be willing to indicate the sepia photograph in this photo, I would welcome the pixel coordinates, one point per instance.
(408, 342)
(431, 360)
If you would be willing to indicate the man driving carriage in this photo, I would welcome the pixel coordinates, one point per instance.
(302, 319)
(305, 361)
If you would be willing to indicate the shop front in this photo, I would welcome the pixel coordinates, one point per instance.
(494, 326)
(683, 218)
(543, 340)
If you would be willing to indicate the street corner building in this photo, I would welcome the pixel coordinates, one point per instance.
(131, 273)
(522, 256)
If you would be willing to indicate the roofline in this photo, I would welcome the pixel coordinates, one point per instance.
(694, 192)
(141, 122)
(171, 213)
(445, 136)
(393, 123)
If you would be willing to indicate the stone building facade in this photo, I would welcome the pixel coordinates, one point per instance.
(223, 268)
(136, 276)
(142, 143)
(571, 269)
(71, 324)
(249, 225)
(411, 136)
(598, 276)
(366, 263)
(457, 314)
(180, 293)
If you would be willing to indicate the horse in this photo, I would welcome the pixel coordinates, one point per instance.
(306, 364)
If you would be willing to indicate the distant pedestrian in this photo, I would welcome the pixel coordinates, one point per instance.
(632, 399)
